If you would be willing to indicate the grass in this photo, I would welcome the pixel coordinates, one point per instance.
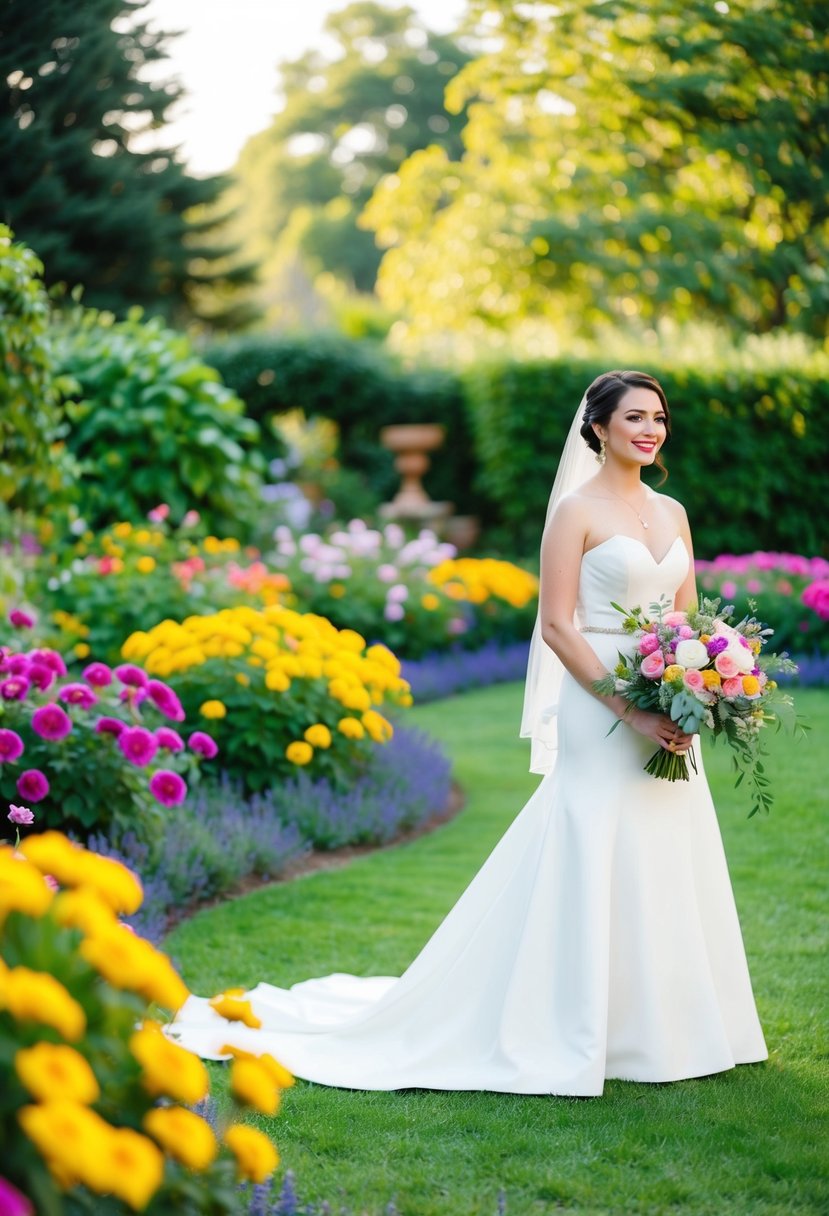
(749, 1142)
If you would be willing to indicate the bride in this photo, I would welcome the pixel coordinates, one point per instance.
(600, 938)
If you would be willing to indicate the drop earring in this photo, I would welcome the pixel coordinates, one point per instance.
(602, 452)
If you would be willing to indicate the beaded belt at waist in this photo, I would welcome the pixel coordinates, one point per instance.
(603, 629)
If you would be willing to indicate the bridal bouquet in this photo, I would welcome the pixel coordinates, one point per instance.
(702, 670)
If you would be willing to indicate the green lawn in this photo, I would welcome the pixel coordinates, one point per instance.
(750, 1142)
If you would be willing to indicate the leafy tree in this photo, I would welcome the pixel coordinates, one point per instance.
(625, 163)
(351, 116)
(84, 180)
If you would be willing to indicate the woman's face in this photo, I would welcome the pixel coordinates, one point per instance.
(636, 429)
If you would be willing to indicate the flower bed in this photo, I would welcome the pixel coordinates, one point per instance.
(94, 1098)
(789, 589)
(81, 749)
(281, 689)
(220, 838)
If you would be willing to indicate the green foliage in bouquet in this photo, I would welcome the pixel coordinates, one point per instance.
(95, 1100)
(151, 423)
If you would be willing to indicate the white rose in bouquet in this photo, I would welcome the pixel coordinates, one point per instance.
(691, 653)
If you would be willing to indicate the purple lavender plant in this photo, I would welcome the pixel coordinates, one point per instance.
(443, 673)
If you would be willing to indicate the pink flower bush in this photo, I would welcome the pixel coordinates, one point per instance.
(50, 659)
(11, 746)
(78, 694)
(15, 688)
(32, 785)
(203, 744)
(110, 726)
(129, 674)
(98, 675)
(165, 700)
(169, 740)
(21, 619)
(168, 787)
(138, 744)
(41, 676)
(816, 597)
(51, 722)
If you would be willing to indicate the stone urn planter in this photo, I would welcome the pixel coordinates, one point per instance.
(411, 442)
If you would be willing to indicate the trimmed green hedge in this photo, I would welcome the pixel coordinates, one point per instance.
(748, 456)
(362, 389)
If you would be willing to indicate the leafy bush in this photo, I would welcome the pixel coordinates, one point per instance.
(83, 1065)
(281, 689)
(81, 750)
(362, 389)
(787, 591)
(151, 423)
(747, 457)
(34, 469)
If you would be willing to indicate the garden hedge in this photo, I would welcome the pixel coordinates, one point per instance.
(748, 454)
(362, 389)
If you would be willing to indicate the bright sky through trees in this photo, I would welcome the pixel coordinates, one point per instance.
(226, 59)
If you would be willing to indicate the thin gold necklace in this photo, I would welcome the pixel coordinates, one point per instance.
(629, 504)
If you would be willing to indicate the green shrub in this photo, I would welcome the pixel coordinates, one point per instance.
(151, 423)
(362, 389)
(34, 468)
(747, 457)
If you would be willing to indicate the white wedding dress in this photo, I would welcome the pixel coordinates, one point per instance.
(600, 938)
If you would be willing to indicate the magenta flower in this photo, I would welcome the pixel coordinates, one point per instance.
(128, 673)
(51, 659)
(21, 619)
(11, 746)
(110, 726)
(717, 644)
(816, 597)
(168, 739)
(203, 744)
(78, 694)
(168, 787)
(20, 814)
(14, 688)
(51, 722)
(138, 744)
(17, 664)
(32, 785)
(165, 700)
(41, 676)
(98, 675)
(12, 1201)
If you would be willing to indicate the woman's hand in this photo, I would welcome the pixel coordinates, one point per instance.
(661, 729)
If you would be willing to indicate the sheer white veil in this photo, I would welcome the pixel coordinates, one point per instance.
(545, 670)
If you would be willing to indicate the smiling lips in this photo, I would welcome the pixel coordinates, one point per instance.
(644, 447)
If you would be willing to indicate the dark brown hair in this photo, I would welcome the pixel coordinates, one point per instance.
(603, 397)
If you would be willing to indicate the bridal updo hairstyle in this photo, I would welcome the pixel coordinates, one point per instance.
(603, 397)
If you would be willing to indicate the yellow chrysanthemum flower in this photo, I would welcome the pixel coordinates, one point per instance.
(276, 680)
(673, 672)
(278, 1073)
(232, 1006)
(81, 650)
(711, 678)
(256, 1157)
(22, 886)
(352, 728)
(182, 1134)
(36, 996)
(53, 1072)
(378, 727)
(253, 1085)
(751, 686)
(318, 735)
(122, 530)
(145, 564)
(53, 853)
(71, 1138)
(167, 1068)
(299, 752)
(130, 962)
(430, 601)
(213, 709)
(135, 1167)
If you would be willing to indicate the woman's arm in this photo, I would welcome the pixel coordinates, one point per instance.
(562, 546)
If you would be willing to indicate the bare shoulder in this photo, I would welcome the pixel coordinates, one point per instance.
(673, 505)
(571, 513)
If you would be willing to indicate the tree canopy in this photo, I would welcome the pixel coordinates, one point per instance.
(352, 113)
(102, 209)
(623, 163)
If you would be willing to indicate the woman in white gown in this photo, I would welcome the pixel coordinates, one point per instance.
(600, 938)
